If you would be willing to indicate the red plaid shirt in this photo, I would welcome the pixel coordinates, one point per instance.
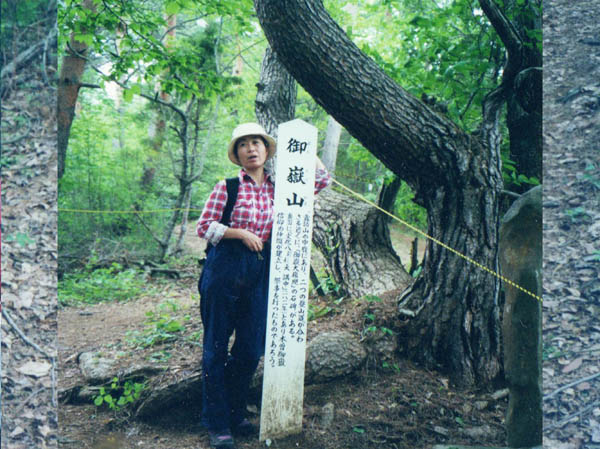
(253, 209)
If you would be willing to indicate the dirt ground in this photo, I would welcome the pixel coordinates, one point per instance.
(29, 256)
(401, 406)
(571, 372)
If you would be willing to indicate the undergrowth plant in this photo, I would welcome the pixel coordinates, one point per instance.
(103, 284)
(116, 396)
(160, 326)
(370, 327)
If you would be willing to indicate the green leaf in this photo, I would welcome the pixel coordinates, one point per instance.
(87, 39)
(358, 429)
(136, 89)
(172, 8)
(128, 95)
(98, 401)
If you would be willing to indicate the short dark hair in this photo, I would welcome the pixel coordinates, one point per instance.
(235, 147)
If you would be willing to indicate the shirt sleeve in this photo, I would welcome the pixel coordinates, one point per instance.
(208, 226)
(322, 179)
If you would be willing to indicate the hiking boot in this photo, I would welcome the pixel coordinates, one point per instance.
(221, 440)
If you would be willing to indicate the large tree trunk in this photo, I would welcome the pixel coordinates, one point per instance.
(69, 83)
(352, 236)
(456, 177)
(355, 241)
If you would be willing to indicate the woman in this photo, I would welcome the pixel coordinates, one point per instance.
(234, 283)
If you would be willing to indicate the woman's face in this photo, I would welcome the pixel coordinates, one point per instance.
(251, 152)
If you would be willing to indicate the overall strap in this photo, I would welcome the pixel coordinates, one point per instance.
(233, 185)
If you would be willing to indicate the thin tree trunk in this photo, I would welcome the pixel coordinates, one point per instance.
(387, 195)
(158, 138)
(69, 83)
(184, 221)
(275, 98)
(197, 172)
(331, 144)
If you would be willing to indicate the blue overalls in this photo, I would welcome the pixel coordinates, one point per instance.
(234, 294)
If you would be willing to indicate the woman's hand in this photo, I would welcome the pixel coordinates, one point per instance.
(252, 241)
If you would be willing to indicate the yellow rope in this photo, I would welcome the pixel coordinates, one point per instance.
(442, 244)
(154, 211)
(362, 198)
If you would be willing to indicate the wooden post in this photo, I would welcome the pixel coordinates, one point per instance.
(285, 349)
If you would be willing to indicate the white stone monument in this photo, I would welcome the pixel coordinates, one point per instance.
(285, 349)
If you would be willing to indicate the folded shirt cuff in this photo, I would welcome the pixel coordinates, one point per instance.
(215, 232)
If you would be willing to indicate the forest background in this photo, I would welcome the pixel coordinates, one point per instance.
(166, 82)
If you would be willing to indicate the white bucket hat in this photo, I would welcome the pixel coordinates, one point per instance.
(250, 129)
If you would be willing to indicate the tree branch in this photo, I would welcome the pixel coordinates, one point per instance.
(26, 56)
(505, 29)
(352, 88)
(508, 35)
(180, 24)
(572, 384)
(159, 241)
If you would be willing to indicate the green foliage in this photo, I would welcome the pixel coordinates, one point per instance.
(111, 150)
(117, 396)
(391, 366)
(21, 238)
(417, 271)
(406, 209)
(103, 284)
(371, 328)
(447, 51)
(371, 299)
(315, 312)
(551, 352)
(160, 327)
(577, 214)
(511, 176)
(7, 161)
(17, 17)
(590, 175)
(133, 35)
(328, 284)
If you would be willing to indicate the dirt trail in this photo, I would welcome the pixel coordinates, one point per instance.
(401, 406)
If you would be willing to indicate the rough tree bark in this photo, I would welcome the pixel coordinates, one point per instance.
(456, 177)
(353, 237)
(276, 94)
(523, 83)
(69, 83)
(387, 195)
